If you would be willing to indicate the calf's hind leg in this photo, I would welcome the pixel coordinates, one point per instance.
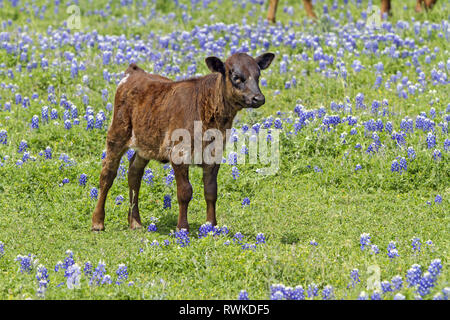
(210, 191)
(184, 194)
(135, 173)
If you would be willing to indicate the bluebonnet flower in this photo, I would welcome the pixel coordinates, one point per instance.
(327, 293)
(243, 295)
(425, 284)
(98, 121)
(93, 193)
(22, 146)
(182, 238)
(375, 105)
(438, 199)
(48, 153)
(90, 122)
(82, 179)
(395, 167)
(358, 167)
(85, 99)
(73, 275)
(130, 153)
(317, 169)
(375, 296)
(152, 227)
(119, 199)
(26, 156)
(277, 291)
(277, 295)
(3, 136)
(234, 172)
(313, 290)
(403, 164)
(237, 238)
(98, 274)
(278, 124)
(25, 263)
(167, 202)
(364, 240)
(354, 276)
(2, 249)
(399, 138)
(386, 287)
(148, 176)
(54, 114)
(435, 268)
(208, 229)
(429, 244)
(169, 178)
(106, 279)
(87, 270)
(446, 144)
(42, 281)
(74, 112)
(413, 275)
(389, 127)
(392, 251)
(416, 244)
(431, 140)
(411, 153)
(397, 282)
(205, 229)
(313, 242)
(122, 273)
(297, 293)
(248, 246)
(446, 293)
(64, 181)
(68, 261)
(42, 273)
(437, 156)
(67, 124)
(35, 122)
(260, 238)
(245, 202)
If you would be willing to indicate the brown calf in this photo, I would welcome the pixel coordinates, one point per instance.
(385, 8)
(147, 110)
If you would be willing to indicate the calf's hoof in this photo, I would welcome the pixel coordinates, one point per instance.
(98, 227)
(135, 225)
(183, 227)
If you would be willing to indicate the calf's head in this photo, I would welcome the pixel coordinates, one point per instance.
(241, 74)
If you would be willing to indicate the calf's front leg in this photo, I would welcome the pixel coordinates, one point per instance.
(210, 190)
(184, 193)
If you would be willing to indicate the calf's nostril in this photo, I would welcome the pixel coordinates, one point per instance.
(258, 98)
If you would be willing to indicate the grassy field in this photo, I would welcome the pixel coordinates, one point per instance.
(337, 179)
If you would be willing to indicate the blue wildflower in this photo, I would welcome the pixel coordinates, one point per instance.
(243, 295)
(167, 202)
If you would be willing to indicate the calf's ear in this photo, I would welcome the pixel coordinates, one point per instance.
(264, 60)
(215, 64)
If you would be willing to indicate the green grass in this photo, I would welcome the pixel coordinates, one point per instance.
(291, 208)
